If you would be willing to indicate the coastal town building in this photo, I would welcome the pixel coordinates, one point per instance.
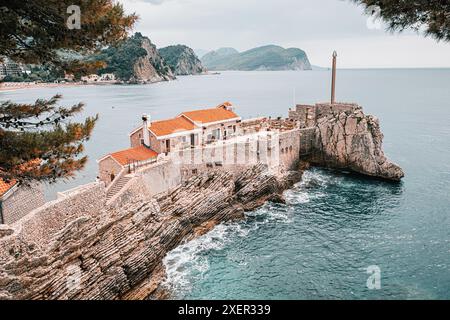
(218, 123)
(168, 135)
(122, 162)
(69, 76)
(204, 140)
(16, 200)
(10, 68)
(107, 77)
(187, 130)
(90, 78)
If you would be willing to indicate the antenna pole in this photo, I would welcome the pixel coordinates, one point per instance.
(333, 79)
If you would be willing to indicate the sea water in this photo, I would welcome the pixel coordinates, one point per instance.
(335, 226)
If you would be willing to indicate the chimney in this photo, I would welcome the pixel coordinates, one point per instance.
(146, 119)
(228, 106)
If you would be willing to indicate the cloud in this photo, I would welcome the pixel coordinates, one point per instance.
(318, 27)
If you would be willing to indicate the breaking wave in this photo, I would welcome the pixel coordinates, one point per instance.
(311, 187)
(188, 263)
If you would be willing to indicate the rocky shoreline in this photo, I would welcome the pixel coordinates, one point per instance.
(118, 254)
(13, 86)
(84, 247)
(351, 140)
(249, 197)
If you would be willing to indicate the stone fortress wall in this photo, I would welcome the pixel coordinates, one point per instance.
(46, 221)
(160, 177)
(19, 203)
(214, 157)
(49, 220)
(307, 115)
(281, 151)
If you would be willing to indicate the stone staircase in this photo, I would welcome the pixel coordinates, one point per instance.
(117, 187)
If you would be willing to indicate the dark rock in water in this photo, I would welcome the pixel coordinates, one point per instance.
(277, 198)
(313, 183)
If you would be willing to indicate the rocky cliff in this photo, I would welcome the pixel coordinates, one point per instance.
(182, 60)
(346, 138)
(136, 60)
(151, 67)
(115, 251)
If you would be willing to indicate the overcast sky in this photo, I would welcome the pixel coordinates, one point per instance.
(316, 26)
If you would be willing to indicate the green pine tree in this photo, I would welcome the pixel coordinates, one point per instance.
(38, 142)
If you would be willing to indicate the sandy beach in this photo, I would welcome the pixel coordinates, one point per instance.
(12, 86)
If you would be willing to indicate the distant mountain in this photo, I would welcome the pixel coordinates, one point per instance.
(218, 57)
(269, 57)
(200, 52)
(224, 52)
(135, 60)
(182, 60)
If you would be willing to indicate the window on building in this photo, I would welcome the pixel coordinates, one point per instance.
(216, 134)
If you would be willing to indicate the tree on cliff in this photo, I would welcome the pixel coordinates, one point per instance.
(120, 58)
(37, 140)
(431, 15)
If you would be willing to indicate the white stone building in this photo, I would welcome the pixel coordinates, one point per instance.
(107, 77)
(90, 78)
(187, 130)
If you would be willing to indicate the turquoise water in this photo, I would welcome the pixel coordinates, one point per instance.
(334, 225)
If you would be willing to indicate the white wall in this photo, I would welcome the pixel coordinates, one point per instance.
(161, 177)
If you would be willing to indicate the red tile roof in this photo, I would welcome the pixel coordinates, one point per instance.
(166, 127)
(5, 187)
(140, 153)
(211, 115)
